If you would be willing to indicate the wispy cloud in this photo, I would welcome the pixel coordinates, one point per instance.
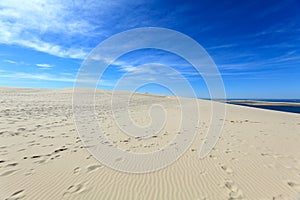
(222, 46)
(10, 61)
(15, 62)
(25, 24)
(43, 76)
(44, 65)
(52, 49)
(62, 77)
(127, 68)
(62, 28)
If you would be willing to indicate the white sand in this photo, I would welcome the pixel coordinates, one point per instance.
(42, 157)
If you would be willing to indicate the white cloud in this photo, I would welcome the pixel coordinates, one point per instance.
(62, 77)
(52, 49)
(44, 65)
(62, 28)
(15, 62)
(45, 77)
(128, 68)
(25, 23)
(222, 46)
(10, 61)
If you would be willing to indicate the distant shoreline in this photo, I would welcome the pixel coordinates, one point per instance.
(292, 106)
(279, 102)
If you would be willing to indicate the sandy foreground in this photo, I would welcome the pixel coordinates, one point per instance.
(42, 156)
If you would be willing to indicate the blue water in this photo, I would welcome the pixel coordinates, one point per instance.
(283, 108)
(273, 100)
(293, 109)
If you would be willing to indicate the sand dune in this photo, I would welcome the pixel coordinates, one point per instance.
(42, 156)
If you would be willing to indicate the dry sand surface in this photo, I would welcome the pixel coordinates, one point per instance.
(42, 156)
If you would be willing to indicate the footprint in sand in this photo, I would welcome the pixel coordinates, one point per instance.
(29, 172)
(279, 197)
(235, 192)
(228, 151)
(227, 169)
(41, 161)
(9, 172)
(294, 185)
(60, 149)
(77, 188)
(93, 167)
(76, 170)
(12, 165)
(213, 157)
(36, 156)
(21, 129)
(16, 195)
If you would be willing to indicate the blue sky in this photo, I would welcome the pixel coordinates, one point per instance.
(255, 44)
